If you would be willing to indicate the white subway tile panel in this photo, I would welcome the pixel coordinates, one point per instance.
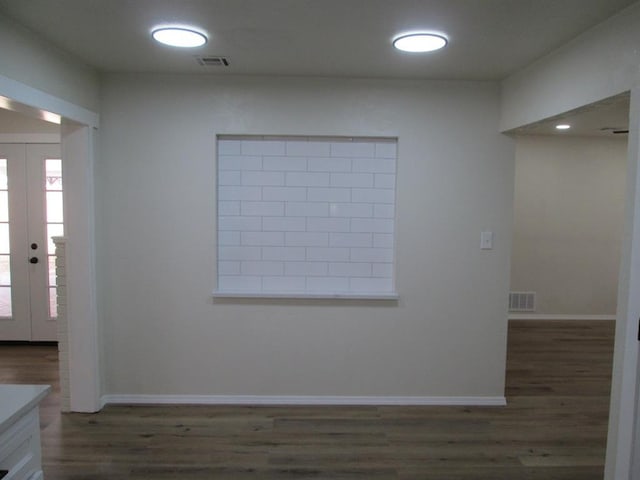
(239, 193)
(385, 180)
(361, 210)
(382, 270)
(350, 240)
(352, 180)
(328, 284)
(229, 177)
(243, 162)
(372, 195)
(229, 147)
(262, 239)
(350, 269)
(228, 268)
(229, 238)
(262, 178)
(306, 239)
(239, 253)
(263, 147)
(366, 285)
(308, 148)
(328, 254)
(228, 207)
(383, 240)
(286, 194)
(306, 269)
(353, 149)
(387, 150)
(306, 209)
(329, 165)
(284, 224)
(239, 283)
(283, 284)
(307, 179)
(320, 224)
(261, 268)
(383, 211)
(374, 165)
(285, 164)
(337, 195)
(291, 254)
(373, 255)
(262, 209)
(240, 223)
(375, 225)
(314, 216)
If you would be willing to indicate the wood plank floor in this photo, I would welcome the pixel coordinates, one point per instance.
(554, 427)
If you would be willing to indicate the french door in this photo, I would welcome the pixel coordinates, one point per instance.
(31, 212)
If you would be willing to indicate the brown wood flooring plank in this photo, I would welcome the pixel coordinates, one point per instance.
(554, 426)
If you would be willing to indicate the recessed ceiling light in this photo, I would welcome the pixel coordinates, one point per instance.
(563, 126)
(179, 37)
(419, 42)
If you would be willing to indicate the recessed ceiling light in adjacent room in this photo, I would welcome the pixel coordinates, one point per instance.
(563, 126)
(419, 42)
(179, 37)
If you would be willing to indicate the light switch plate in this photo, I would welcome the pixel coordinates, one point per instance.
(486, 240)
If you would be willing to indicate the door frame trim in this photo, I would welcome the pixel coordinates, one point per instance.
(78, 139)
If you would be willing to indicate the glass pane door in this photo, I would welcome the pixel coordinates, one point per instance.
(5, 244)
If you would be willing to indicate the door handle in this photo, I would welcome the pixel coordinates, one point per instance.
(33, 260)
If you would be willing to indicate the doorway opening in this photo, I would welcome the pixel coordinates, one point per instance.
(569, 215)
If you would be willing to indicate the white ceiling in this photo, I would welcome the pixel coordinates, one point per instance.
(12, 122)
(606, 118)
(489, 39)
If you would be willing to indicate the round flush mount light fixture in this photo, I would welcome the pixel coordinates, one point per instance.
(419, 42)
(563, 126)
(179, 37)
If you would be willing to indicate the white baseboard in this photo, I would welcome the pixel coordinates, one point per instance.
(298, 400)
(548, 316)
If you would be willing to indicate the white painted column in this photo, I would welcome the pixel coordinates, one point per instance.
(77, 142)
(624, 390)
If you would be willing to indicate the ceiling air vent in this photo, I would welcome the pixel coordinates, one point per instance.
(213, 61)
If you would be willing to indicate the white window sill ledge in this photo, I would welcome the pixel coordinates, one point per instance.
(334, 296)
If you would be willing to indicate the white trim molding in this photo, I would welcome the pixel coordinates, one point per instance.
(29, 138)
(563, 316)
(273, 400)
(32, 97)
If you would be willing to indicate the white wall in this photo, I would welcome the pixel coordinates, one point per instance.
(26, 58)
(155, 186)
(568, 217)
(598, 64)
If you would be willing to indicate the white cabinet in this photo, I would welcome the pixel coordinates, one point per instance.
(20, 451)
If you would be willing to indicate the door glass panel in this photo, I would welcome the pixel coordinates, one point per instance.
(5, 302)
(55, 228)
(3, 173)
(5, 259)
(53, 304)
(4, 206)
(4, 238)
(5, 270)
(52, 270)
(53, 174)
(54, 207)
